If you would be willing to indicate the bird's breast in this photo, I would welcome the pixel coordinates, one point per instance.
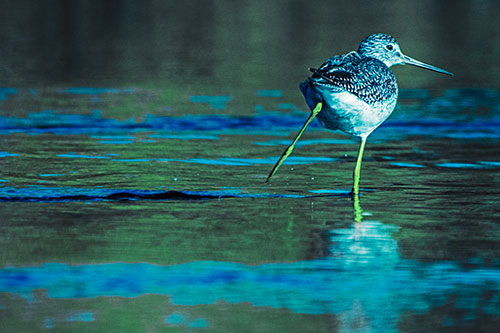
(347, 112)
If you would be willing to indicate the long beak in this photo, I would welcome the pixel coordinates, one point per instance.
(411, 61)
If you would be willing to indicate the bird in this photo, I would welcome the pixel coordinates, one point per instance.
(355, 93)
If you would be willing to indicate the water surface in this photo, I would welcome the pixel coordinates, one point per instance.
(135, 139)
(170, 213)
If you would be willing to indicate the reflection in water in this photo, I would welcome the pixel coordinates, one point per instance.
(363, 275)
(358, 212)
(215, 83)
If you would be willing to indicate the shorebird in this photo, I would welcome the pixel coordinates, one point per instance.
(355, 92)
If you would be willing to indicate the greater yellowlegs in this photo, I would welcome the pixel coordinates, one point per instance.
(355, 92)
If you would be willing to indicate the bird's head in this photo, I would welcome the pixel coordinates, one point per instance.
(381, 47)
(385, 48)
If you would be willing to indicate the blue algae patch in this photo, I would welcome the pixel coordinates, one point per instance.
(175, 318)
(5, 154)
(198, 323)
(49, 323)
(407, 165)
(81, 316)
(270, 93)
(305, 142)
(215, 102)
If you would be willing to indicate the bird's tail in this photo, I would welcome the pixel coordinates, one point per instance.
(310, 94)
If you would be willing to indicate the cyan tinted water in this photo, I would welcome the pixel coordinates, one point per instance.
(135, 138)
(170, 213)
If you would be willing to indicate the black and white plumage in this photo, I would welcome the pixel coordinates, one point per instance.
(358, 89)
(355, 92)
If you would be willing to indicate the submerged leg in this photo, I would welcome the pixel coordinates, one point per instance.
(357, 169)
(289, 150)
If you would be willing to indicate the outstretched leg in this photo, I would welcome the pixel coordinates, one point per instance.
(357, 169)
(289, 150)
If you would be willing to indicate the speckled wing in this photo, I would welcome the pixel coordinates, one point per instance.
(358, 93)
(367, 78)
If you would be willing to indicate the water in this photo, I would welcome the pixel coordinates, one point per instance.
(170, 213)
(134, 146)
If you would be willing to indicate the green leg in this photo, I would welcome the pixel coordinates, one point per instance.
(357, 169)
(289, 150)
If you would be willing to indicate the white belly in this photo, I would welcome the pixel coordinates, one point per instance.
(346, 112)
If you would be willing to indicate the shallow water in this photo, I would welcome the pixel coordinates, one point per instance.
(135, 139)
(119, 208)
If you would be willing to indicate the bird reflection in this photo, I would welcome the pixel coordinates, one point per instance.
(358, 211)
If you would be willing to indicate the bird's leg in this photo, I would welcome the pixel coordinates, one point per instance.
(357, 169)
(289, 150)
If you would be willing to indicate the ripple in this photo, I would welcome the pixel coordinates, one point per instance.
(40, 193)
(463, 166)
(74, 155)
(185, 136)
(406, 165)
(292, 160)
(305, 142)
(5, 154)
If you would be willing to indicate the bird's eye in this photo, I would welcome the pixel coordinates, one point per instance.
(389, 47)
